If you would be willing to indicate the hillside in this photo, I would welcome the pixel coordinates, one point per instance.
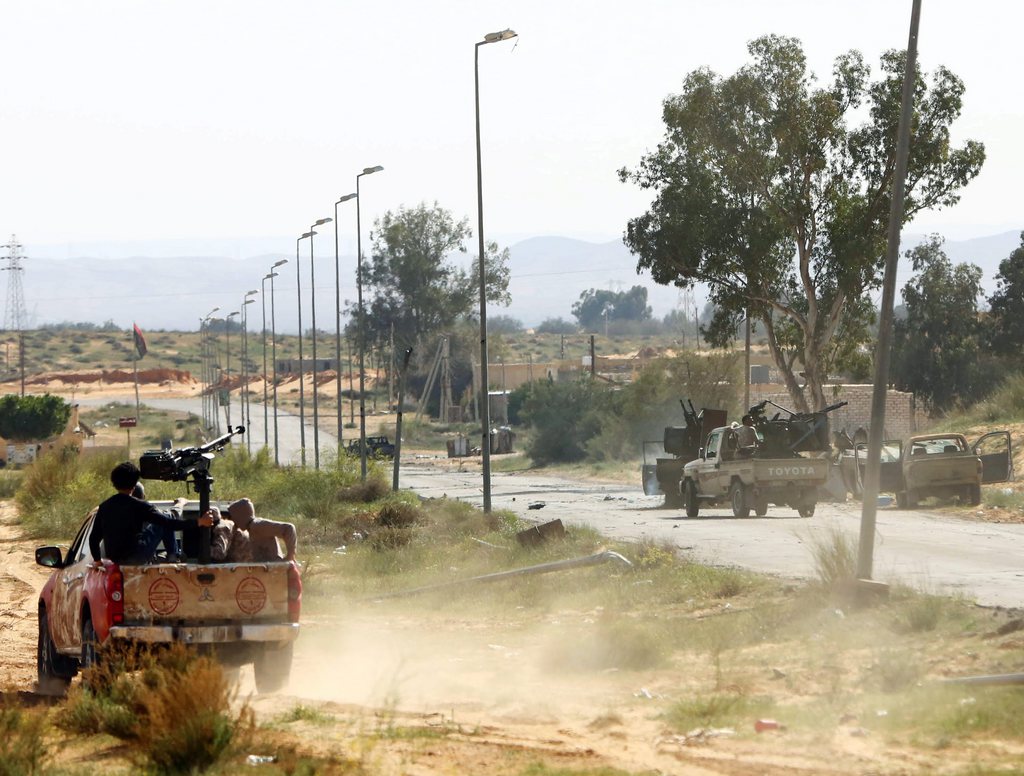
(163, 291)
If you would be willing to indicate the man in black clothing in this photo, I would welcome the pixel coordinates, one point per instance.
(130, 528)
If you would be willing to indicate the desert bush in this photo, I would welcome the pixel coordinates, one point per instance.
(712, 711)
(189, 723)
(59, 489)
(172, 706)
(9, 482)
(23, 748)
(835, 560)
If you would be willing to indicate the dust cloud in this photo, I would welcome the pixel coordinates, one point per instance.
(439, 663)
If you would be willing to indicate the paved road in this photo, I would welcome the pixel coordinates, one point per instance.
(929, 551)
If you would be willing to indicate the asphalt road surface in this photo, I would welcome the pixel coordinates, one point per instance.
(931, 552)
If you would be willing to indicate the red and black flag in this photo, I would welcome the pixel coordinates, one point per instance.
(140, 341)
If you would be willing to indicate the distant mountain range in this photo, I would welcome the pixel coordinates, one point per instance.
(162, 291)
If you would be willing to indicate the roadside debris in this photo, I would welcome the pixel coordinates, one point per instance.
(538, 534)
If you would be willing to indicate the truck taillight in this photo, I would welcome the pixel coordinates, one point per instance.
(113, 585)
(294, 592)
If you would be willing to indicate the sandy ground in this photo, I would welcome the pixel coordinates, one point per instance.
(477, 695)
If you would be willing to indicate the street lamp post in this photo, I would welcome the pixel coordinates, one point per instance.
(312, 295)
(273, 354)
(302, 391)
(263, 340)
(227, 363)
(243, 391)
(485, 414)
(337, 315)
(361, 328)
(207, 369)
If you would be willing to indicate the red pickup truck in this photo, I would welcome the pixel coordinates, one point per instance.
(241, 612)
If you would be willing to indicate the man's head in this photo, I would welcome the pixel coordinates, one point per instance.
(125, 477)
(241, 512)
(748, 420)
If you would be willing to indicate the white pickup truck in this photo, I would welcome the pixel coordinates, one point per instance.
(723, 473)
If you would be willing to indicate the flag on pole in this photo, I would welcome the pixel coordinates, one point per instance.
(140, 341)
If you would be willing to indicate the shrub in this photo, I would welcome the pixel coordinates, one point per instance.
(32, 417)
(23, 749)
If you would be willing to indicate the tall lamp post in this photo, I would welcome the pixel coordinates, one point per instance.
(207, 367)
(227, 363)
(263, 338)
(302, 391)
(485, 414)
(243, 391)
(361, 328)
(273, 354)
(312, 296)
(337, 314)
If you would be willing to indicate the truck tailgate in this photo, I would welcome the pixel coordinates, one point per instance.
(231, 592)
(799, 470)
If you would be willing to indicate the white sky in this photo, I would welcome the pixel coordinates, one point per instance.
(153, 119)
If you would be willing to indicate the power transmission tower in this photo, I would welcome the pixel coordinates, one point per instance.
(14, 312)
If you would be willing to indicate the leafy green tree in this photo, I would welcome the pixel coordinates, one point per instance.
(413, 284)
(594, 303)
(25, 418)
(563, 416)
(765, 192)
(556, 326)
(936, 347)
(1006, 305)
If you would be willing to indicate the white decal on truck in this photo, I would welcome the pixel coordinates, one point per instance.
(789, 471)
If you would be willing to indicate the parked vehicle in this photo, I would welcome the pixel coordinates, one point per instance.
(379, 446)
(682, 443)
(940, 465)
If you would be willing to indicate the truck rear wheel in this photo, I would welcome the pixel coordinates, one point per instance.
(738, 499)
(54, 670)
(692, 502)
(272, 667)
(90, 650)
(806, 509)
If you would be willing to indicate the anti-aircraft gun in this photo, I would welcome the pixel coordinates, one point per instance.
(800, 432)
(683, 443)
(189, 464)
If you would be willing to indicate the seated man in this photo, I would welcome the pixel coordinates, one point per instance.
(131, 528)
(228, 543)
(263, 535)
(746, 435)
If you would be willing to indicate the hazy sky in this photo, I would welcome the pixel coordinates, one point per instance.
(153, 119)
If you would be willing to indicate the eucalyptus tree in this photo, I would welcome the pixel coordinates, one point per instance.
(774, 191)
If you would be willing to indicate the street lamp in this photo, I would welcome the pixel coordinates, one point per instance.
(263, 341)
(227, 363)
(207, 368)
(312, 294)
(243, 390)
(485, 415)
(337, 315)
(273, 352)
(361, 328)
(302, 391)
